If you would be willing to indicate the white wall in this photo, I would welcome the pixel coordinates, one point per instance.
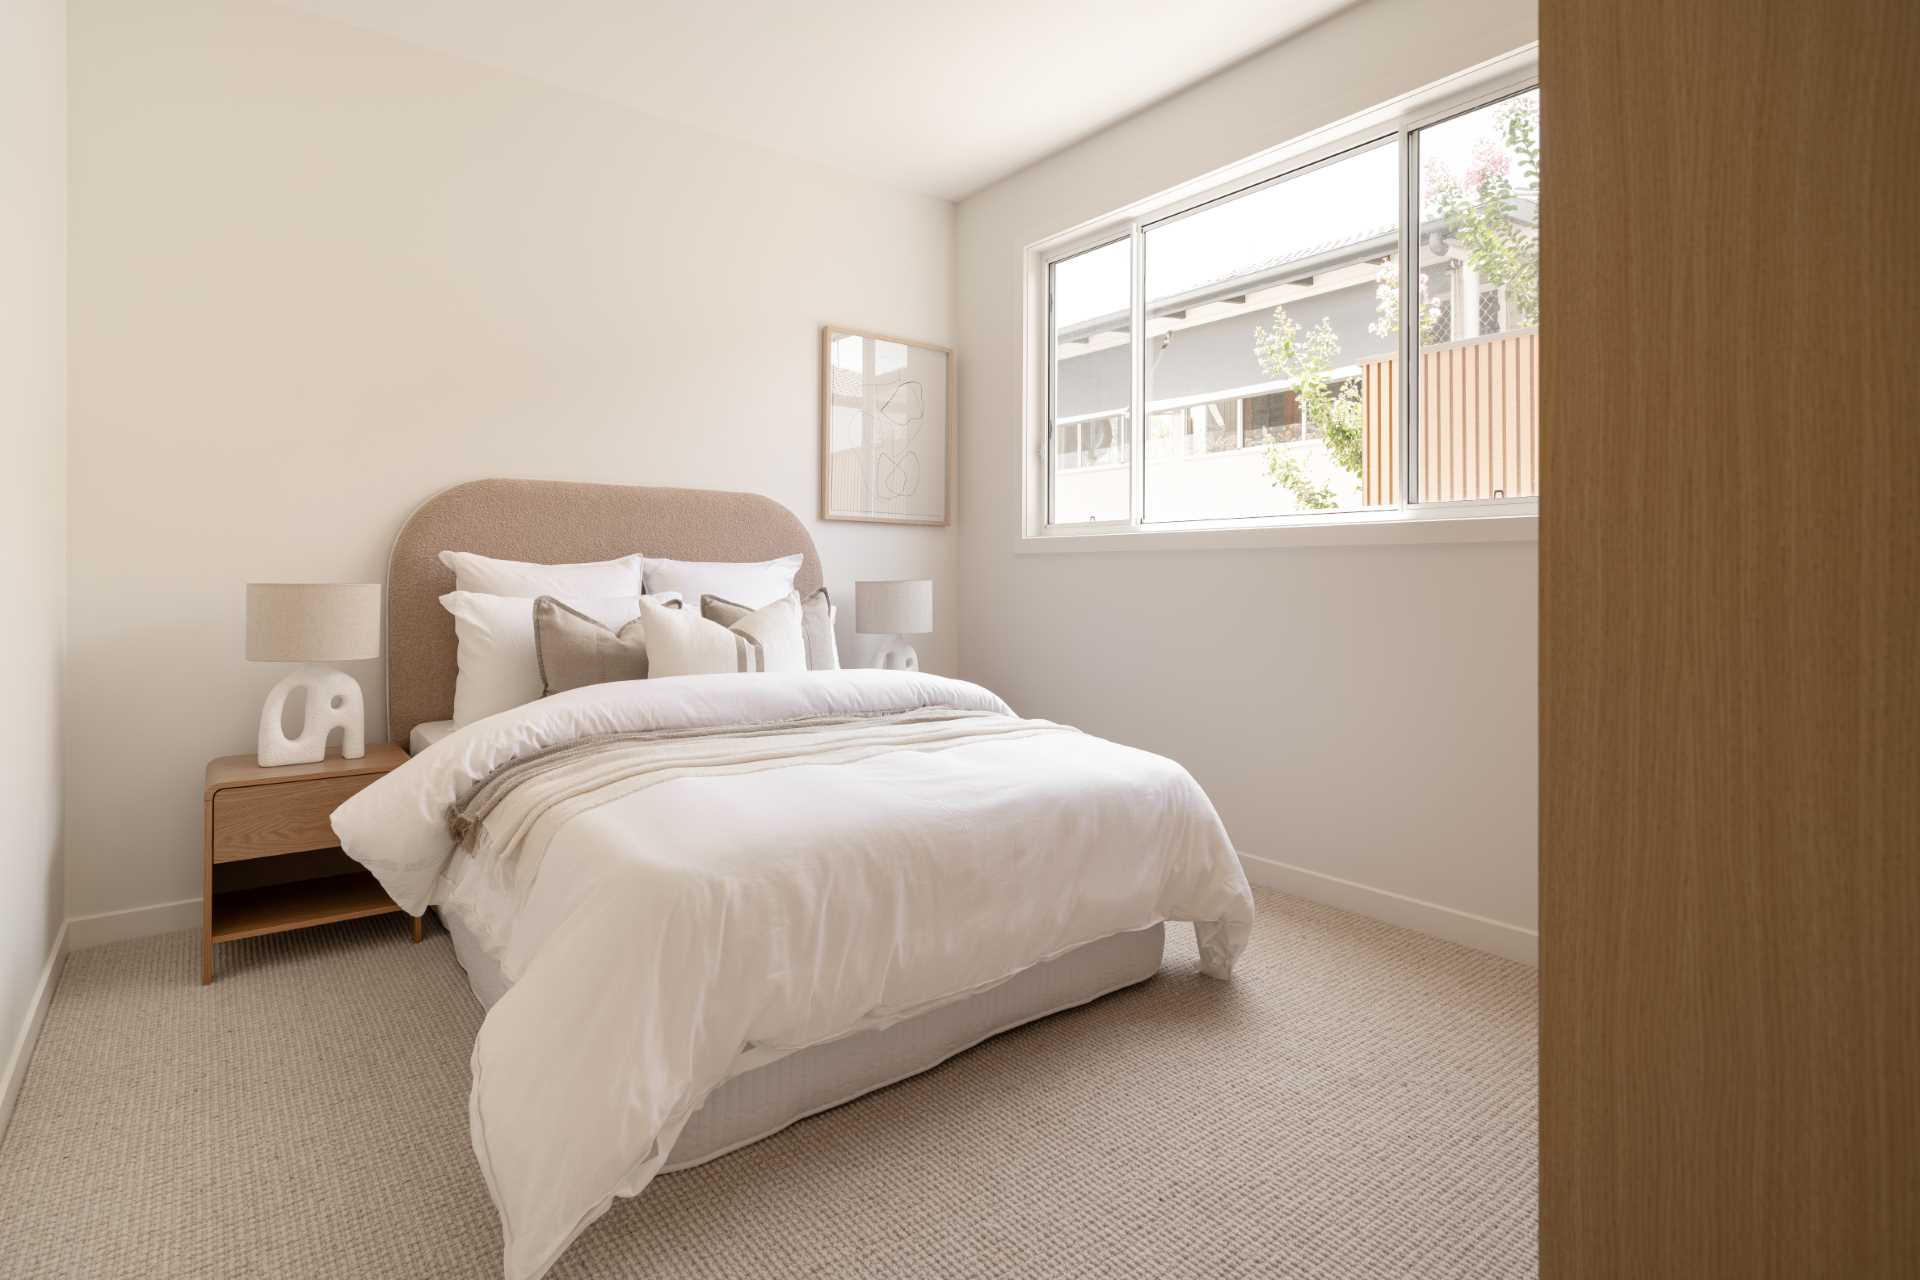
(33, 488)
(1364, 713)
(318, 275)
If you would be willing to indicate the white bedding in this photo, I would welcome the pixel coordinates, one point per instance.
(686, 931)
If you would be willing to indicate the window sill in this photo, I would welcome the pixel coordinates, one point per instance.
(1392, 528)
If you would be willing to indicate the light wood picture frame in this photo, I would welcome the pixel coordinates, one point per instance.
(887, 428)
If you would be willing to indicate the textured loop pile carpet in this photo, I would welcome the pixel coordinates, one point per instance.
(1358, 1101)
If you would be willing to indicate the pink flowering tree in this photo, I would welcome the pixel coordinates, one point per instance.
(1481, 209)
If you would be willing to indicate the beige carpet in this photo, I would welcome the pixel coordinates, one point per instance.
(1358, 1101)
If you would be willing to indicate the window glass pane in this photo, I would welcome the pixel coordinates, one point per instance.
(1477, 431)
(1270, 346)
(1092, 385)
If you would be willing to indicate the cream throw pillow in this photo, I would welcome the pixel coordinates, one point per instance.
(772, 626)
(682, 643)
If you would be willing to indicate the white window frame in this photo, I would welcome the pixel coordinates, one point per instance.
(1488, 520)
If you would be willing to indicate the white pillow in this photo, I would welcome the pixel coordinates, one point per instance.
(682, 643)
(598, 579)
(751, 584)
(498, 666)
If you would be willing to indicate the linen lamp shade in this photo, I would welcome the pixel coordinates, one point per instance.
(903, 607)
(899, 608)
(313, 621)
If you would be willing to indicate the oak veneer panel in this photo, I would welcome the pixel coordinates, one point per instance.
(1730, 595)
(248, 913)
(247, 771)
(259, 822)
(251, 812)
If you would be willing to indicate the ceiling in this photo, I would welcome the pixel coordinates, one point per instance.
(936, 97)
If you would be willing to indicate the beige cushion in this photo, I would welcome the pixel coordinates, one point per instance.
(816, 627)
(682, 643)
(572, 649)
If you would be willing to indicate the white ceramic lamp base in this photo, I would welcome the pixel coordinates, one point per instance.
(898, 655)
(333, 702)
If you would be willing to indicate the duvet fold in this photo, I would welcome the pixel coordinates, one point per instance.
(688, 878)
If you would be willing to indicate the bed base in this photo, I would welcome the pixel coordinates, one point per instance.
(767, 1099)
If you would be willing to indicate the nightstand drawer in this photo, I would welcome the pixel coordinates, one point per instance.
(284, 817)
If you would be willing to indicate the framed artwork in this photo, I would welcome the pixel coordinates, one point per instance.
(886, 428)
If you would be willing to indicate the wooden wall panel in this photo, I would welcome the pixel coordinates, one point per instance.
(1730, 596)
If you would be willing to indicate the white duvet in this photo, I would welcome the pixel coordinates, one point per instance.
(672, 935)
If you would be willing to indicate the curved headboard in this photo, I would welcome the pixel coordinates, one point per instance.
(553, 522)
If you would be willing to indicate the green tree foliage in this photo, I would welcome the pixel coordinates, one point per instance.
(1284, 469)
(1332, 408)
(1386, 305)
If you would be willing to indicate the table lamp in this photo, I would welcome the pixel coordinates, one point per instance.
(898, 609)
(311, 623)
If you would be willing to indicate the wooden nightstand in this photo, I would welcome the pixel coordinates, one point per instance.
(255, 813)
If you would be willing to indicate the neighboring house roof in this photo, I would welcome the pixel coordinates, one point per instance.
(1250, 271)
(1294, 261)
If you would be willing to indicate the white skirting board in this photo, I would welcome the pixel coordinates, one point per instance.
(76, 933)
(134, 922)
(22, 1049)
(1482, 934)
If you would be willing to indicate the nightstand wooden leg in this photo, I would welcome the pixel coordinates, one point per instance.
(206, 891)
(418, 921)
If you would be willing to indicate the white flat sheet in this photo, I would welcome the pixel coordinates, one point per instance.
(683, 934)
(426, 734)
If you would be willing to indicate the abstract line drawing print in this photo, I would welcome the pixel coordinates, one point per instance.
(884, 429)
(904, 406)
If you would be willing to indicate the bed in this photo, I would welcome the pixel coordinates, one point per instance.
(794, 888)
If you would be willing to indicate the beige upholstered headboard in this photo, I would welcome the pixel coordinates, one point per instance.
(553, 522)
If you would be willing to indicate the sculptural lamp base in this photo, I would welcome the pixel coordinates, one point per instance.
(333, 702)
(899, 656)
